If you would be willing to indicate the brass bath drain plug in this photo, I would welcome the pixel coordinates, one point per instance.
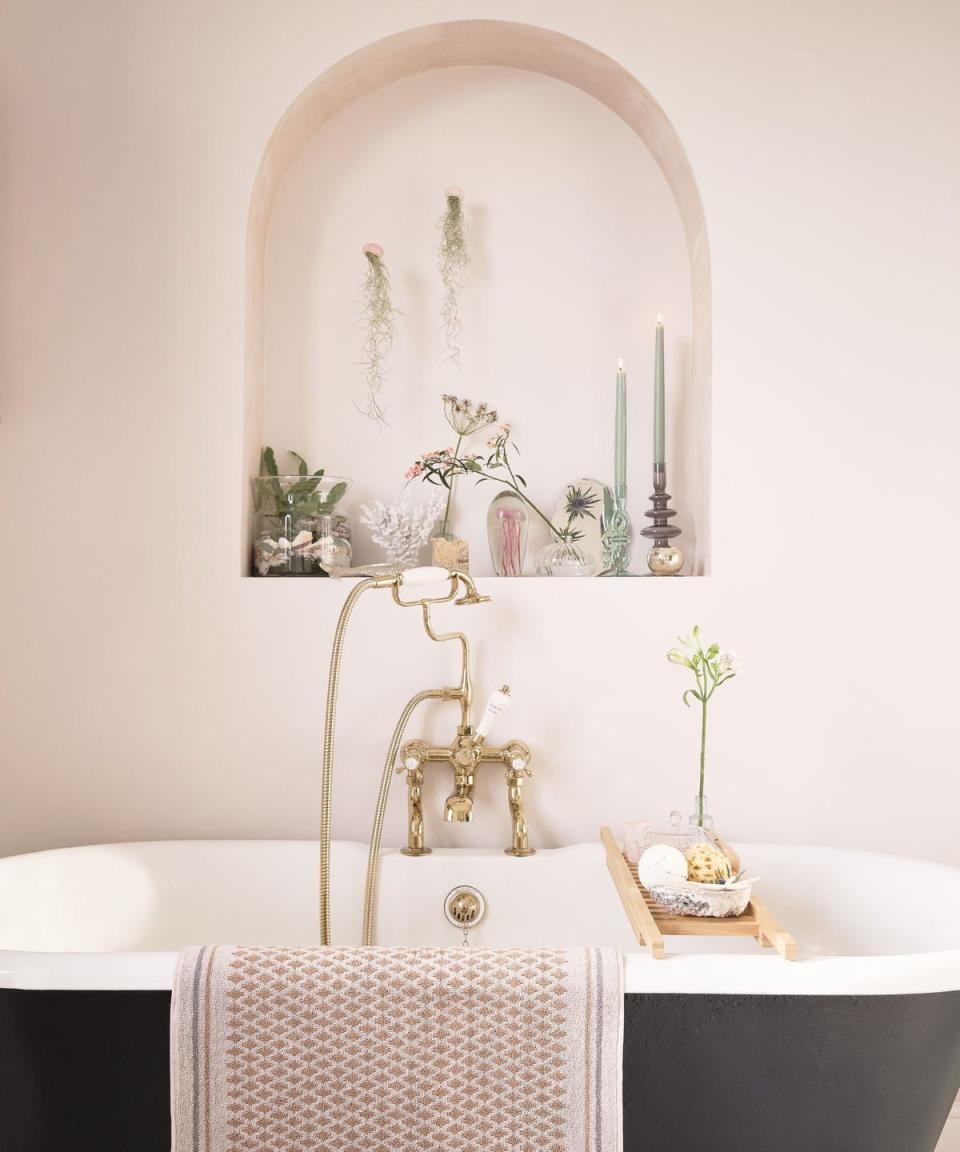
(464, 907)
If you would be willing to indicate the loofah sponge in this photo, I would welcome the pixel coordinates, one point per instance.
(706, 864)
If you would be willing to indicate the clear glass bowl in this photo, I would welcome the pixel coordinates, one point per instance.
(300, 527)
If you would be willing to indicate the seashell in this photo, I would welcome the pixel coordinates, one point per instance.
(302, 537)
(661, 864)
(283, 542)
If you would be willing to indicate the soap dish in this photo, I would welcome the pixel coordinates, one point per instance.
(688, 898)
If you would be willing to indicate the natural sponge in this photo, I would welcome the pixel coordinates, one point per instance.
(706, 864)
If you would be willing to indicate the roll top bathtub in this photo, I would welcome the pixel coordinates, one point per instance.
(727, 1046)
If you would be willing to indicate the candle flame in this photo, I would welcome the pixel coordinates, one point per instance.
(619, 363)
(659, 317)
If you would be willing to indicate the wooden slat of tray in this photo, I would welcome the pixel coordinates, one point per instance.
(651, 922)
(638, 913)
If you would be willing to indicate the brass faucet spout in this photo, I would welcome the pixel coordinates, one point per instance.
(458, 808)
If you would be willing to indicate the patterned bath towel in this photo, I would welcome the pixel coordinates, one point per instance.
(396, 1050)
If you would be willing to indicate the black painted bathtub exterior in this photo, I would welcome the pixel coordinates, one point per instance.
(89, 1072)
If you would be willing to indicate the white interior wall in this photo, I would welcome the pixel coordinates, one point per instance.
(147, 690)
(576, 245)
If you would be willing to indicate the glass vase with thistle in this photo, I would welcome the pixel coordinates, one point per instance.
(711, 667)
(565, 556)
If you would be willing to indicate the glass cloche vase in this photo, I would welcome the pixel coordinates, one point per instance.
(300, 527)
(508, 524)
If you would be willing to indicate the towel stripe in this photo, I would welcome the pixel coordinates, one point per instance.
(599, 1053)
(206, 1047)
(588, 1001)
(196, 1049)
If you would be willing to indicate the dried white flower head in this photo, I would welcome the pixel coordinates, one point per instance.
(465, 417)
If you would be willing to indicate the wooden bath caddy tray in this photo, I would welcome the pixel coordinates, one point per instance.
(651, 923)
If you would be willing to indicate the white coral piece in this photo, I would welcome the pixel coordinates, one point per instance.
(402, 528)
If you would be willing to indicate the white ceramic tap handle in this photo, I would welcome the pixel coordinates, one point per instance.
(499, 702)
(415, 577)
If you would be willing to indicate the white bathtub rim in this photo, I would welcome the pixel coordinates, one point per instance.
(764, 974)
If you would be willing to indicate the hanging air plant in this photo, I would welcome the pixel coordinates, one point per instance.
(452, 261)
(379, 330)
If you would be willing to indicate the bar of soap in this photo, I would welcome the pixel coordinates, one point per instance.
(661, 864)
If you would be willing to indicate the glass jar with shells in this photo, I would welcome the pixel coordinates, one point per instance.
(300, 526)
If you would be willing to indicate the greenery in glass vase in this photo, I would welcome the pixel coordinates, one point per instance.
(300, 500)
(444, 465)
(711, 667)
(465, 418)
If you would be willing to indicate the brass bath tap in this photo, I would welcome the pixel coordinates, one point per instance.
(467, 751)
(464, 756)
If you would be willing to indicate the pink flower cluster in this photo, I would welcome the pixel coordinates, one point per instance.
(437, 456)
(503, 433)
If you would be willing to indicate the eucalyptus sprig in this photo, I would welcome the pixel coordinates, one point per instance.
(711, 667)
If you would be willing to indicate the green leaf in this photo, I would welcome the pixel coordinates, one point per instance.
(302, 490)
(268, 462)
(521, 479)
(713, 651)
(302, 468)
(691, 692)
(334, 495)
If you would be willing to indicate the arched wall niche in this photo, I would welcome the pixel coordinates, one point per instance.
(504, 44)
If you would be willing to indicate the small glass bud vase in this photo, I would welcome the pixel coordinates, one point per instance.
(448, 552)
(565, 558)
(508, 525)
(701, 818)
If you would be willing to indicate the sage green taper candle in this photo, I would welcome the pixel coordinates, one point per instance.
(658, 399)
(620, 431)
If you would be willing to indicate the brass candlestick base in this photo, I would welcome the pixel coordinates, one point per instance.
(664, 558)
